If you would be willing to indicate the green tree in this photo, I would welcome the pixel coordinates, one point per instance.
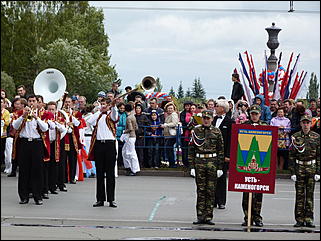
(197, 89)
(180, 91)
(28, 26)
(8, 85)
(314, 87)
(85, 74)
(188, 93)
(172, 92)
(159, 85)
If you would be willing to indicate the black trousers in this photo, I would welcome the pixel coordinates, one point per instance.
(185, 152)
(45, 177)
(140, 151)
(220, 192)
(70, 159)
(52, 168)
(120, 161)
(61, 169)
(30, 154)
(105, 160)
(3, 148)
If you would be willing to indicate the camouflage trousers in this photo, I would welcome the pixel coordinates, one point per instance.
(304, 187)
(206, 178)
(256, 206)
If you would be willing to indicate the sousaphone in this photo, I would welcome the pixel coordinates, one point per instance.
(51, 84)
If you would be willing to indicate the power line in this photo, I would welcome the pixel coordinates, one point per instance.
(210, 10)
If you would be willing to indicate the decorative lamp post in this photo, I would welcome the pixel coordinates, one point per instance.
(273, 44)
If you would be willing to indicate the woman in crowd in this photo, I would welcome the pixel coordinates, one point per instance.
(121, 126)
(284, 125)
(6, 100)
(241, 114)
(185, 117)
(170, 125)
(142, 122)
(154, 133)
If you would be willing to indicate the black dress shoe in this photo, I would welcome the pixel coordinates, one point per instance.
(38, 202)
(221, 206)
(209, 222)
(245, 223)
(258, 223)
(309, 225)
(63, 189)
(299, 224)
(199, 222)
(53, 192)
(12, 175)
(24, 201)
(98, 204)
(112, 204)
(45, 196)
(72, 182)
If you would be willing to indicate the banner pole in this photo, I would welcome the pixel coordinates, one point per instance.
(249, 212)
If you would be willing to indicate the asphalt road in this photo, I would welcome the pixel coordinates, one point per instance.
(150, 208)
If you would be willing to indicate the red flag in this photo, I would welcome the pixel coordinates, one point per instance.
(285, 78)
(250, 70)
(254, 75)
(295, 83)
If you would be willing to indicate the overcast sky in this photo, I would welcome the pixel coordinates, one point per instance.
(183, 45)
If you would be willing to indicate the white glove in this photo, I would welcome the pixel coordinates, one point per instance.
(193, 172)
(316, 177)
(293, 177)
(219, 173)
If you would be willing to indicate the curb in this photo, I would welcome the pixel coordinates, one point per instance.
(174, 173)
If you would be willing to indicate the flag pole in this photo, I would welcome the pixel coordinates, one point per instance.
(249, 213)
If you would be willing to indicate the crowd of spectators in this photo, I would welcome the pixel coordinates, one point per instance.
(164, 131)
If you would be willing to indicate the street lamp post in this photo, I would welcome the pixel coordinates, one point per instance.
(272, 44)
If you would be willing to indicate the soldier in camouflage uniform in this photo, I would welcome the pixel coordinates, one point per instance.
(304, 164)
(206, 156)
(255, 114)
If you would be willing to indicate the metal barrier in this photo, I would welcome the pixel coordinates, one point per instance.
(178, 147)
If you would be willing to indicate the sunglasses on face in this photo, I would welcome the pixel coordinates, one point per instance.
(241, 105)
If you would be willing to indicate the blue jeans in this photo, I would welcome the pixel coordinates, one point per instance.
(169, 149)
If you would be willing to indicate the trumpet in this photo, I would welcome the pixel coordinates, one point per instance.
(31, 113)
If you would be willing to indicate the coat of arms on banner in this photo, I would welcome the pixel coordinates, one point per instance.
(254, 151)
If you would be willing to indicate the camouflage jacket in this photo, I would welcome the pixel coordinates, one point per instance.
(304, 148)
(206, 140)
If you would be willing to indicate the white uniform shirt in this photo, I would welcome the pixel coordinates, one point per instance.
(103, 132)
(52, 129)
(30, 129)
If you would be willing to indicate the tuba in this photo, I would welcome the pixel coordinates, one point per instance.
(147, 83)
(51, 84)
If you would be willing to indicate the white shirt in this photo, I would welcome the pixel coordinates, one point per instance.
(219, 120)
(30, 129)
(75, 121)
(103, 132)
(52, 129)
(88, 128)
